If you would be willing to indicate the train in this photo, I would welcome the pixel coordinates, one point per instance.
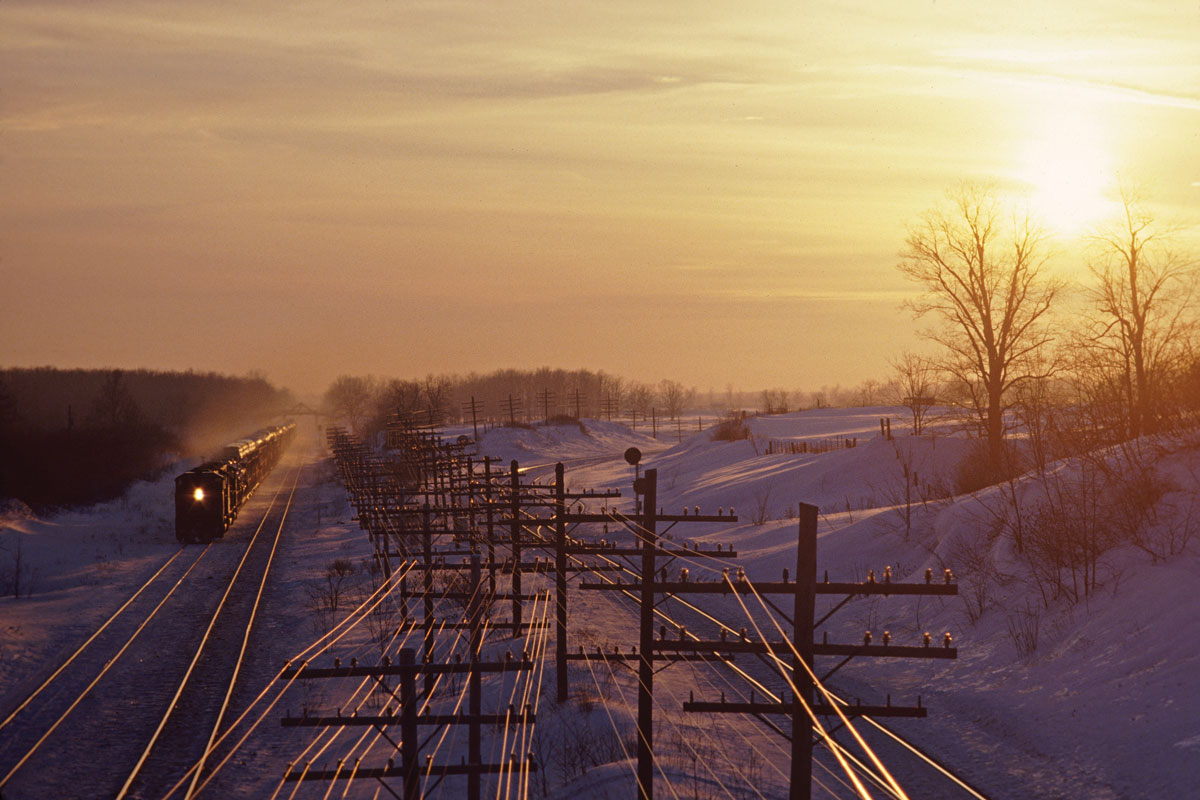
(208, 497)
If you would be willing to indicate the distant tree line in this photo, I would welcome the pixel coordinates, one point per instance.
(72, 437)
(48, 398)
(508, 396)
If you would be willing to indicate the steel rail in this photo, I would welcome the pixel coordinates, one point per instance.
(246, 635)
(914, 749)
(104, 670)
(729, 664)
(90, 639)
(137, 768)
(325, 642)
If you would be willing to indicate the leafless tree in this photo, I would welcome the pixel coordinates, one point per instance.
(612, 388)
(983, 280)
(395, 396)
(437, 394)
(8, 411)
(915, 386)
(674, 395)
(1142, 297)
(400, 397)
(641, 398)
(114, 406)
(1038, 405)
(350, 397)
(868, 392)
(775, 401)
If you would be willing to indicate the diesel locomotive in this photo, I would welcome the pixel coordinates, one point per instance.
(208, 497)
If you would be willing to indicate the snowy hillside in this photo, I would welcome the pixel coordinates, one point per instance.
(1074, 682)
(1066, 693)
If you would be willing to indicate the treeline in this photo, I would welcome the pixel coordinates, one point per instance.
(47, 398)
(75, 436)
(503, 397)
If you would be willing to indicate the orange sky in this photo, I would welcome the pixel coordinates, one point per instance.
(716, 196)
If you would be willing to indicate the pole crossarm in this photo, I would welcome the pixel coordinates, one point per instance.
(658, 552)
(601, 517)
(818, 649)
(633, 656)
(821, 709)
(400, 772)
(434, 624)
(745, 587)
(369, 720)
(383, 670)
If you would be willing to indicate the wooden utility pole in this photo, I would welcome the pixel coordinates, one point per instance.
(515, 544)
(475, 407)
(560, 580)
(545, 397)
(802, 640)
(645, 723)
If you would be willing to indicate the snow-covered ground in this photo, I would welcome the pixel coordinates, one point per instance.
(1094, 696)
(1091, 697)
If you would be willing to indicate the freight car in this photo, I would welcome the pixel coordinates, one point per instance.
(208, 497)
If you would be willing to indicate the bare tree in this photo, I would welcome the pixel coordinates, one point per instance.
(114, 406)
(350, 397)
(1038, 404)
(868, 392)
(8, 411)
(674, 394)
(612, 390)
(400, 397)
(983, 280)
(641, 398)
(775, 401)
(1142, 293)
(915, 387)
(437, 390)
(394, 397)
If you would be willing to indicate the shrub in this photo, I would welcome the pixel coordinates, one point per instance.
(567, 419)
(975, 470)
(760, 514)
(732, 428)
(1023, 629)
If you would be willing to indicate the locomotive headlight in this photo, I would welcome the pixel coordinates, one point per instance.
(198, 494)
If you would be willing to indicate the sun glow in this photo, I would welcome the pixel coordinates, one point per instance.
(1068, 167)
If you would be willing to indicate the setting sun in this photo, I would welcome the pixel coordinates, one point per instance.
(1068, 167)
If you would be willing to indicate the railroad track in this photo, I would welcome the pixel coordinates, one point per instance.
(928, 776)
(142, 699)
(757, 674)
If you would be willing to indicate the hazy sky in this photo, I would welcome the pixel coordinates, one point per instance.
(709, 191)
